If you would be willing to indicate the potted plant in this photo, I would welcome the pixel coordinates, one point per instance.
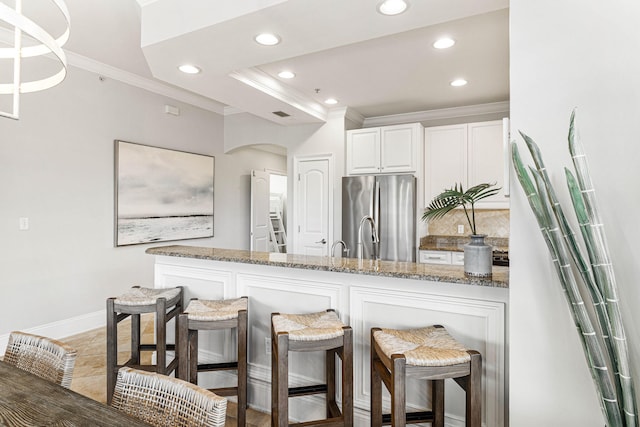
(477, 254)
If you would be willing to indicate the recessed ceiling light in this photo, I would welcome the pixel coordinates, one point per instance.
(286, 74)
(267, 39)
(189, 69)
(458, 82)
(444, 43)
(392, 7)
(331, 101)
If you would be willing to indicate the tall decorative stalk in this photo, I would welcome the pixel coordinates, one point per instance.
(603, 338)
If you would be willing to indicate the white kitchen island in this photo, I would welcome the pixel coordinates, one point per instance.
(365, 294)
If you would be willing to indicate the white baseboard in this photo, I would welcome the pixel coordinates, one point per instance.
(64, 328)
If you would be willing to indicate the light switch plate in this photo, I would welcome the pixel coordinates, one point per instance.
(24, 223)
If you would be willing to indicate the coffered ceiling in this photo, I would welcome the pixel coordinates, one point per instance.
(374, 64)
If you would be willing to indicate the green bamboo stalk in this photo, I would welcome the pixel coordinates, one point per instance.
(577, 256)
(596, 296)
(604, 275)
(595, 355)
(600, 377)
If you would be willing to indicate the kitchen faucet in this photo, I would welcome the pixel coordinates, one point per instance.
(374, 237)
(345, 249)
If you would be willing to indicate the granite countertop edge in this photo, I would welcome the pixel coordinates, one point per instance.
(403, 270)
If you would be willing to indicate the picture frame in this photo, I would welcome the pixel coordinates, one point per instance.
(161, 194)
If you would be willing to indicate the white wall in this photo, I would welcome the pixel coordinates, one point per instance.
(56, 168)
(567, 54)
(300, 141)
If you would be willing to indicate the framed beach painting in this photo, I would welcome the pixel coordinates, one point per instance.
(161, 194)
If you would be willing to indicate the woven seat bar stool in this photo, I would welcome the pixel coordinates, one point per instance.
(44, 357)
(166, 304)
(215, 315)
(427, 353)
(311, 332)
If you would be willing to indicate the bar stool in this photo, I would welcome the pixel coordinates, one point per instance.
(214, 315)
(311, 332)
(166, 304)
(428, 353)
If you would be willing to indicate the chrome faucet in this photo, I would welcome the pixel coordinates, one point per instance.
(345, 249)
(374, 237)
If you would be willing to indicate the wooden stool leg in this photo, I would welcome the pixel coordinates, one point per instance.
(182, 348)
(274, 377)
(135, 339)
(161, 336)
(193, 356)
(330, 381)
(242, 368)
(347, 377)
(398, 398)
(474, 391)
(376, 385)
(112, 347)
(280, 384)
(437, 402)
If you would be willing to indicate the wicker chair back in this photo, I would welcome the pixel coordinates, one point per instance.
(163, 401)
(45, 357)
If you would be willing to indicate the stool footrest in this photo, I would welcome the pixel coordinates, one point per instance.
(308, 389)
(204, 367)
(225, 391)
(412, 417)
(329, 422)
(152, 347)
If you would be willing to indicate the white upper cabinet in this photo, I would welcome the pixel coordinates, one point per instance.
(469, 154)
(387, 149)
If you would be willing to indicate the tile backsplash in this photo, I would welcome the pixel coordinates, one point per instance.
(493, 223)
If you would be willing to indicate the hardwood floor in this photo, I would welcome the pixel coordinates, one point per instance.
(89, 376)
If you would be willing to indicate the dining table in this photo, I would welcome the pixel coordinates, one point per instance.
(28, 400)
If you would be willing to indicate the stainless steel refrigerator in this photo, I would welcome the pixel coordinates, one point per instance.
(391, 201)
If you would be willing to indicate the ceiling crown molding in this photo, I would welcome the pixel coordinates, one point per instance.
(263, 82)
(150, 85)
(443, 113)
(154, 86)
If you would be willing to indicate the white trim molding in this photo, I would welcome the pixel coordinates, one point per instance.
(151, 85)
(443, 113)
(64, 328)
(478, 324)
(263, 82)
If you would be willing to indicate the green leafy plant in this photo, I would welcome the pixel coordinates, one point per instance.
(455, 197)
(600, 328)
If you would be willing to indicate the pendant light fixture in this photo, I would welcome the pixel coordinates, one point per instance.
(39, 42)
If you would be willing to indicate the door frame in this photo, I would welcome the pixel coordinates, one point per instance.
(330, 197)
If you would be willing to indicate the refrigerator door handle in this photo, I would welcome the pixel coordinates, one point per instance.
(376, 204)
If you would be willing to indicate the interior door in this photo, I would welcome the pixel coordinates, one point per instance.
(313, 207)
(260, 211)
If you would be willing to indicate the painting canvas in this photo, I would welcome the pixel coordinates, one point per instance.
(161, 194)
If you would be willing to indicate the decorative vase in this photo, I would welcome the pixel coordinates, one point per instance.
(477, 257)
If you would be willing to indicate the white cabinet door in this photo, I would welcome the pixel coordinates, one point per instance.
(445, 159)
(486, 160)
(363, 151)
(387, 149)
(469, 154)
(398, 148)
(457, 258)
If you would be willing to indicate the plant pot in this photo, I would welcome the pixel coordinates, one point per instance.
(477, 257)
